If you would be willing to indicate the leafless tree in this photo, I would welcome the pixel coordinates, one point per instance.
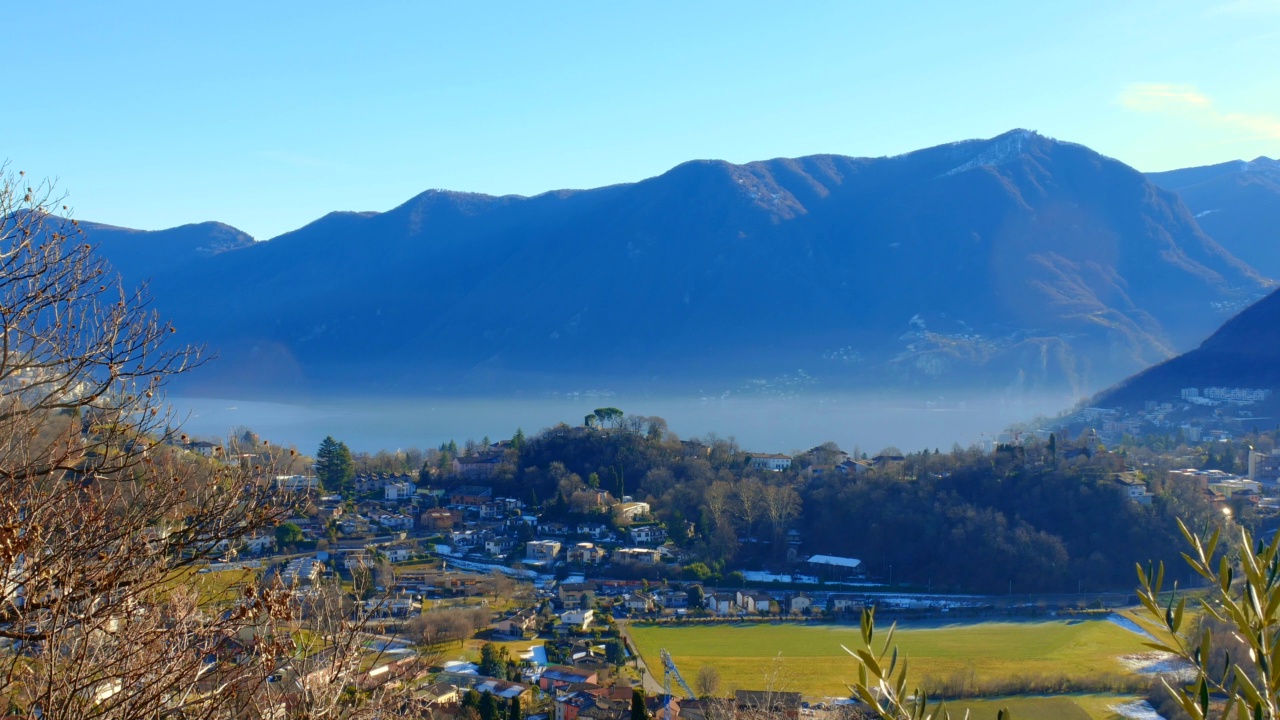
(707, 681)
(782, 505)
(103, 522)
(750, 503)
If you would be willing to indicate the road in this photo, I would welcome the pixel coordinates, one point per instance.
(650, 684)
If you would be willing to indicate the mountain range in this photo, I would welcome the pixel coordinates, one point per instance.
(1016, 263)
(141, 255)
(1238, 204)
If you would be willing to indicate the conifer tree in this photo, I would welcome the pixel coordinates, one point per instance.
(638, 711)
(334, 466)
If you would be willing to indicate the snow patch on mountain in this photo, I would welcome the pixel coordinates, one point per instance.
(1000, 151)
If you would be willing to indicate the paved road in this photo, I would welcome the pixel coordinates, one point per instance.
(650, 684)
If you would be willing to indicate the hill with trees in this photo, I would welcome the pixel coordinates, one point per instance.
(1039, 517)
(1243, 353)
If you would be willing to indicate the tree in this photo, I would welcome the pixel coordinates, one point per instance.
(513, 710)
(104, 518)
(334, 466)
(707, 682)
(696, 571)
(288, 534)
(98, 516)
(487, 706)
(493, 660)
(697, 596)
(782, 505)
(611, 415)
(638, 711)
(471, 698)
(614, 652)
(750, 503)
(500, 585)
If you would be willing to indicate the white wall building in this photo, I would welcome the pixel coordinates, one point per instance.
(769, 461)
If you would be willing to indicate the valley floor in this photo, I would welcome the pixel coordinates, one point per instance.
(980, 658)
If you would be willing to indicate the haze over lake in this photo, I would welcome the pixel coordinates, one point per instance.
(767, 424)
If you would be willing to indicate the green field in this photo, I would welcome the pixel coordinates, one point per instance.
(1058, 707)
(808, 658)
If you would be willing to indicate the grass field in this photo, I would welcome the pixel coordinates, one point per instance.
(1058, 707)
(216, 587)
(809, 658)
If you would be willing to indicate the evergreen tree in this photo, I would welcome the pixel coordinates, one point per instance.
(334, 466)
(488, 707)
(513, 710)
(471, 698)
(288, 534)
(493, 660)
(637, 705)
(614, 652)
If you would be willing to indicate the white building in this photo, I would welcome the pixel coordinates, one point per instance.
(769, 461)
(398, 553)
(644, 556)
(259, 544)
(297, 483)
(499, 546)
(579, 619)
(720, 603)
(399, 491)
(541, 550)
(396, 522)
(648, 534)
(628, 511)
(301, 570)
(1134, 487)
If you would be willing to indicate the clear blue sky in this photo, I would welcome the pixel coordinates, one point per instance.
(267, 115)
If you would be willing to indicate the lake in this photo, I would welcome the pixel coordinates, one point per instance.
(766, 424)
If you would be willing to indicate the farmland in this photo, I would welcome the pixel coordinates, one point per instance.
(809, 659)
(1059, 707)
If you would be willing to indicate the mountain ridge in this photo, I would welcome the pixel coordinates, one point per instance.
(1014, 262)
(1242, 353)
(1237, 203)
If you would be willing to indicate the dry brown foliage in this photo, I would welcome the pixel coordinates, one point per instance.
(103, 522)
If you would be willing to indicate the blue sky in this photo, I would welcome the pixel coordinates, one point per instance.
(267, 115)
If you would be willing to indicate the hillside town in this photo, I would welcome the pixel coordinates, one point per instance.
(452, 572)
(1194, 414)
(444, 543)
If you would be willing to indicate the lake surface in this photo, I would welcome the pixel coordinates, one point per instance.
(766, 424)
